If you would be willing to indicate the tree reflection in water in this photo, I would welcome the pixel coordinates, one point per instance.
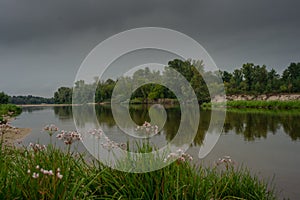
(251, 125)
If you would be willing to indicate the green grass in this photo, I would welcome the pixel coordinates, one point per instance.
(7, 109)
(92, 180)
(254, 104)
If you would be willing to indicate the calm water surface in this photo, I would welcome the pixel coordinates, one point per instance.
(266, 142)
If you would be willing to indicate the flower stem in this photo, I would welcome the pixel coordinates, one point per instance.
(177, 186)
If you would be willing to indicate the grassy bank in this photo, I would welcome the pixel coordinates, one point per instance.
(255, 104)
(8, 110)
(40, 172)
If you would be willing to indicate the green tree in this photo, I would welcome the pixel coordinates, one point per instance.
(273, 81)
(291, 77)
(158, 92)
(260, 75)
(248, 70)
(83, 92)
(105, 89)
(235, 83)
(226, 76)
(4, 98)
(184, 67)
(63, 95)
(200, 87)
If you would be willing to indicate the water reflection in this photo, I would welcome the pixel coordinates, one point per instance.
(250, 125)
(63, 112)
(258, 125)
(31, 109)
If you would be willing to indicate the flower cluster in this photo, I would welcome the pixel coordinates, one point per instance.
(96, 132)
(180, 155)
(69, 137)
(45, 172)
(226, 160)
(147, 128)
(109, 144)
(37, 147)
(51, 129)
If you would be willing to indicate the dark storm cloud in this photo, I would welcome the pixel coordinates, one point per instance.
(46, 37)
(33, 18)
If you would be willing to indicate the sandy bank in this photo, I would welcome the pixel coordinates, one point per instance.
(11, 135)
(264, 97)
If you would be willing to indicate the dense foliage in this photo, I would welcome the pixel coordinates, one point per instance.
(249, 79)
(149, 92)
(8, 110)
(255, 79)
(63, 95)
(4, 98)
(29, 99)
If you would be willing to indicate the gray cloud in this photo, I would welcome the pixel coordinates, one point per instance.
(45, 41)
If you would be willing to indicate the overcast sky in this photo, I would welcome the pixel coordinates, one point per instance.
(42, 43)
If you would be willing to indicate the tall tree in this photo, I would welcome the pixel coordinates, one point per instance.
(291, 77)
(248, 70)
(272, 81)
(4, 98)
(63, 95)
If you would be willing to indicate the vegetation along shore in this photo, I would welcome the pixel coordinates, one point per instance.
(8, 133)
(254, 104)
(46, 172)
(248, 81)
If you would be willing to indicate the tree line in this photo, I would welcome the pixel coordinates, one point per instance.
(249, 79)
(102, 90)
(255, 79)
(29, 99)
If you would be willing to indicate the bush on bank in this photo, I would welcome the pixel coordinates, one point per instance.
(8, 110)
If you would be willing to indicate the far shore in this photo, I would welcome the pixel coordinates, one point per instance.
(57, 105)
(218, 98)
(46, 105)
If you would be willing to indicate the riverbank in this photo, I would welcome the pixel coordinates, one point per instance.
(7, 111)
(45, 105)
(263, 97)
(271, 101)
(254, 104)
(8, 133)
(46, 172)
